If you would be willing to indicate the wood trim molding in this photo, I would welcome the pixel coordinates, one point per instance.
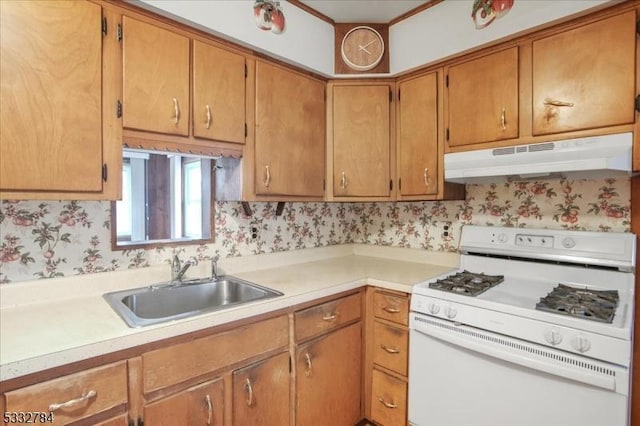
(312, 11)
(414, 11)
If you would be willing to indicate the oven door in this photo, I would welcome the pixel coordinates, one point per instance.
(462, 376)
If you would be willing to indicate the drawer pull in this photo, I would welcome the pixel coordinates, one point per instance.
(390, 350)
(208, 123)
(503, 119)
(391, 310)
(176, 111)
(554, 102)
(87, 396)
(307, 361)
(249, 389)
(209, 409)
(387, 404)
(330, 317)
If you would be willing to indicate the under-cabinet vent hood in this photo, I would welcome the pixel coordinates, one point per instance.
(593, 157)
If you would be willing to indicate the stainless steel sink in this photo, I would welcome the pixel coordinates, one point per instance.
(170, 301)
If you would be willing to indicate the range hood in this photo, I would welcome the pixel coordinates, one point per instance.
(593, 157)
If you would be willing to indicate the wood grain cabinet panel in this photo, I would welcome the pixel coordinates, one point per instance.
(289, 133)
(388, 400)
(218, 93)
(328, 379)
(361, 140)
(418, 136)
(76, 396)
(390, 347)
(319, 319)
(155, 78)
(585, 77)
(51, 96)
(212, 353)
(261, 393)
(200, 405)
(391, 307)
(483, 99)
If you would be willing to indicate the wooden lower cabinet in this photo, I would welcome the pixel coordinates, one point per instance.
(261, 393)
(328, 379)
(200, 405)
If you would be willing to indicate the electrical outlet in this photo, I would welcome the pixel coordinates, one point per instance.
(254, 232)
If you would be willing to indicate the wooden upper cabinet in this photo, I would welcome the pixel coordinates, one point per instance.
(156, 78)
(218, 93)
(585, 77)
(483, 99)
(51, 96)
(289, 133)
(418, 136)
(361, 140)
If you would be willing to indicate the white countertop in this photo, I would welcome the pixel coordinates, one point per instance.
(49, 323)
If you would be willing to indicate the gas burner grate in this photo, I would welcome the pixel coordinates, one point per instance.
(467, 283)
(581, 302)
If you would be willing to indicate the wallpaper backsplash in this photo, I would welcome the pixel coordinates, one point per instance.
(46, 239)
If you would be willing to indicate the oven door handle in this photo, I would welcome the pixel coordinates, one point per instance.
(523, 353)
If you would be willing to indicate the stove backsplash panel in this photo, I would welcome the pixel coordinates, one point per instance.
(46, 239)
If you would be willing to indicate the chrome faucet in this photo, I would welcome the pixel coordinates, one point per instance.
(214, 267)
(178, 269)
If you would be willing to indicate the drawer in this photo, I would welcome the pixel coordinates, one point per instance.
(391, 307)
(175, 364)
(74, 397)
(319, 319)
(388, 400)
(390, 347)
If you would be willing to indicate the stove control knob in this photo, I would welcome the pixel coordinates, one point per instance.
(433, 308)
(450, 312)
(581, 343)
(503, 238)
(553, 336)
(568, 242)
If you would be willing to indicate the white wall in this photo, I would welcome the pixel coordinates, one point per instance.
(308, 42)
(447, 28)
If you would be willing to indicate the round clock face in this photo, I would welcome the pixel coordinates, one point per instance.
(362, 48)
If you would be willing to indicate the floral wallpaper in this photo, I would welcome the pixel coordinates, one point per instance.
(46, 239)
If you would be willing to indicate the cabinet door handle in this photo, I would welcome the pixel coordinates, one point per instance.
(557, 103)
(343, 181)
(503, 119)
(387, 404)
(176, 111)
(87, 396)
(330, 317)
(307, 361)
(209, 409)
(208, 123)
(267, 176)
(249, 389)
(390, 350)
(427, 181)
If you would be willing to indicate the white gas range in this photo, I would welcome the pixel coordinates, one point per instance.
(535, 328)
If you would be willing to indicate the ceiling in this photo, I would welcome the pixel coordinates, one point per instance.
(369, 11)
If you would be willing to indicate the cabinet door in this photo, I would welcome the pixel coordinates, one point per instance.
(483, 99)
(156, 79)
(418, 143)
(218, 93)
(361, 145)
(50, 96)
(200, 405)
(261, 393)
(584, 78)
(328, 379)
(290, 133)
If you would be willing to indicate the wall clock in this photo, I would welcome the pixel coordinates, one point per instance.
(361, 48)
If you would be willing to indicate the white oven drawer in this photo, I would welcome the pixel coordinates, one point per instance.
(461, 376)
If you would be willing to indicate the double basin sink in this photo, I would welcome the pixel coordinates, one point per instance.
(183, 299)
